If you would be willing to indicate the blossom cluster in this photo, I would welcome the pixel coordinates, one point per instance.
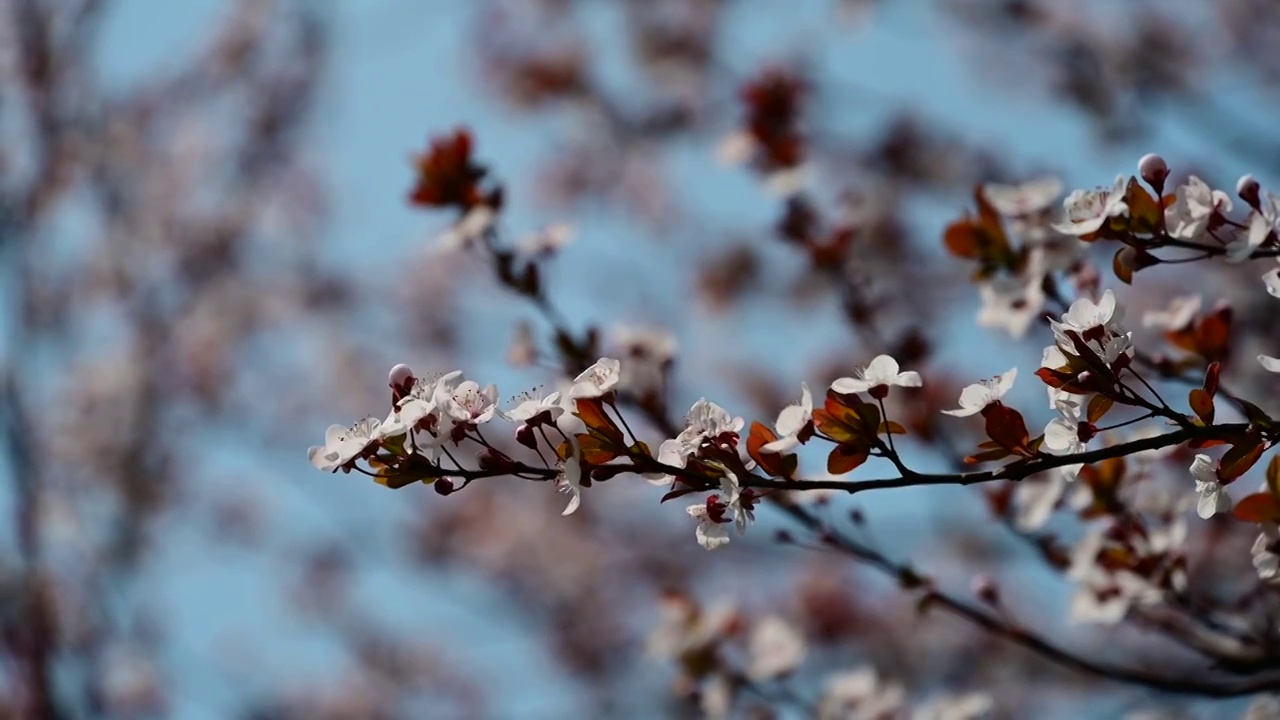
(1111, 427)
(720, 650)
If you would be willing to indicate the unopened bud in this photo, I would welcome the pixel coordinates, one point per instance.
(986, 590)
(1154, 170)
(526, 437)
(400, 379)
(1247, 188)
(443, 486)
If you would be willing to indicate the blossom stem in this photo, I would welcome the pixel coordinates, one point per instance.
(623, 418)
(1126, 423)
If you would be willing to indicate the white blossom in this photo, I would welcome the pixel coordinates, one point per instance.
(569, 481)
(859, 695)
(424, 397)
(469, 403)
(1034, 499)
(1213, 497)
(711, 532)
(1194, 204)
(342, 444)
(1272, 281)
(706, 420)
(1062, 436)
(1084, 314)
(1266, 553)
(546, 241)
(716, 697)
(1011, 304)
(546, 408)
(648, 353)
(1104, 598)
(1028, 198)
(976, 397)
(1084, 318)
(469, 228)
(775, 649)
(1264, 707)
(791, 422)
(1181, 311)
(597, 380)
(1261, 225)
(1088, 210)
(684, 627)
(671, 452)
(882, 371)
(569, 472)
(1054, 359)
(969, 706)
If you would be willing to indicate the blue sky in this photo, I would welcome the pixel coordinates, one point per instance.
(399, 72)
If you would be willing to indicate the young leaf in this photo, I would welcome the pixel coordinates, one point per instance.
(1202, 403)
(1098, 407)
(844, 458)
(1213, 335)
(1257, 508)
(1122, 265)
(889, 427)
(772, 463)
(1006, 426)
(1273, 477)
(591, 412)
(1239, 459)
(1211, 378)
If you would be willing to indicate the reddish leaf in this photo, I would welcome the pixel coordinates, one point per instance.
(1122, 265)
(834, 428)
(772, 463)
(1202, 403)
(1098, 407)
(595, 451)
(889, 427)
(1257, 508)
(591, 412)
(1239, 459)
(1213, 335)
(1211, 378)
(1273, 477)
(844, 458)
(963, 239)
(1145, 213)
(1006, 426)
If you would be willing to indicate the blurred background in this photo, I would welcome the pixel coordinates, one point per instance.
(209, 256)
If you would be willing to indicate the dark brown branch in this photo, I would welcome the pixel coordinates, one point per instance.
(910, 579)
(1013, 471)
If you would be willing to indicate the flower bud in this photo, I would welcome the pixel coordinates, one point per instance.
(443, 486)
(1247, 188)
(986, 590)
(526, 437)
(1154, 170)
(400, 379)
